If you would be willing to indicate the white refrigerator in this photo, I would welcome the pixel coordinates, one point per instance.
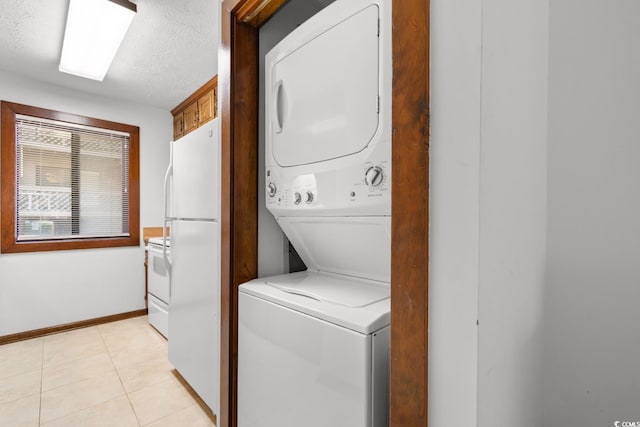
(192, 193)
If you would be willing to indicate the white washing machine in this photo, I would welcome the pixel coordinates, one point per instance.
(313, 346)
(313, 351)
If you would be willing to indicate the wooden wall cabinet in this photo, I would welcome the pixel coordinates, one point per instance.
(190, 118)
(178, 125)
(196, 110)
(206, 108)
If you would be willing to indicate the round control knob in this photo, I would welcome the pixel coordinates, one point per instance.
(297, 198)
(271, 189)
(308, 197)
(374, 176)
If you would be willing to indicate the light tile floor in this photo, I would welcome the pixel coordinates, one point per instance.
(113, 375)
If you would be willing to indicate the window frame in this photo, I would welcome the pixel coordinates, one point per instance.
(8, 238)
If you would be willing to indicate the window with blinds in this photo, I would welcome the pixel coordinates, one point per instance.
(71, 180)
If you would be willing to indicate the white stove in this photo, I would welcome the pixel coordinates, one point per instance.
(158, 242)
(158, 285)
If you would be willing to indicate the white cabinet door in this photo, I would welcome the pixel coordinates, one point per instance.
(322, 96)
(194, 343)
(196, 171)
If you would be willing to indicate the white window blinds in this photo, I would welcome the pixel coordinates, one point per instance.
(71, 181)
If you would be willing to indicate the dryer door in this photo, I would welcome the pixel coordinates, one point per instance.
(323, 98)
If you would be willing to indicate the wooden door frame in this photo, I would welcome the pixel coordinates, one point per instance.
(238, 92)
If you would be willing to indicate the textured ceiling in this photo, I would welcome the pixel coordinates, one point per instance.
(169, 51)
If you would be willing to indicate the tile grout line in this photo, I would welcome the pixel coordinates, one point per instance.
(41, 385)
(160, 348)
(41, 381)
(115, 367)
(112, 349)
(64, 362)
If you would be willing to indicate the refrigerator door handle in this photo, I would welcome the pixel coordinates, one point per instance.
(167, 219)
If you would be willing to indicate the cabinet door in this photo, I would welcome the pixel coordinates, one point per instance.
(190, 118)
(215, 101)
(205, 108)
(178, 126)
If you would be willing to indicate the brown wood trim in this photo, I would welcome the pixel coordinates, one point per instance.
(226, 218)
(127, 4)
(134, 187)
(21, 336)
(239, 217)
(67, 117)
(208, 86)
(8, 242)
(64, 245)
(7, 174)
(257, 12)
(410, 214)
(195, 396)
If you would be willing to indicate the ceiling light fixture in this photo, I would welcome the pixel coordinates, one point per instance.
(95, 29)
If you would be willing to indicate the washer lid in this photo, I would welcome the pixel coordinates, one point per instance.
(331, 289)
(357, 304)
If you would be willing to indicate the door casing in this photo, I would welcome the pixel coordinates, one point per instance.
(238, 92)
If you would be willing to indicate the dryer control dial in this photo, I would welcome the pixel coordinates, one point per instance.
(271, 189)
(297, 198)
(374, 176)
(308, 197)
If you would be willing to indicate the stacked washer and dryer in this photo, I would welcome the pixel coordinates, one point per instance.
(313, 346)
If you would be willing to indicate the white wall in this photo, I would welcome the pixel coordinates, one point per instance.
(488, 211)
(455, 66)
(513, 203)
(44, 289)
(593, 374)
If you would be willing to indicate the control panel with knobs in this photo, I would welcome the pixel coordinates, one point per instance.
(308, 197)
(374, 176)
(364, 188)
